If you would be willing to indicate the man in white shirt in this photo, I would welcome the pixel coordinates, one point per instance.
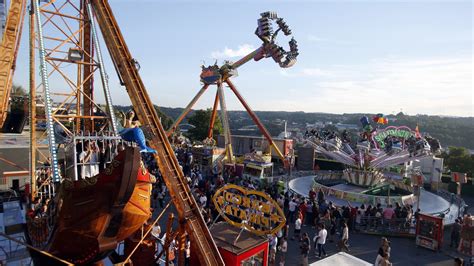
(320, 239)
(297, 229)
(203, 200)
(291, 210)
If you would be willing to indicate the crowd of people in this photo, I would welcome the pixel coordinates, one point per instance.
(324, 221)
(330, 223)
(328, 220)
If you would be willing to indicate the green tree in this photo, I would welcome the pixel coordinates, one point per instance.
(166, 121)
(18, 100)
(18, 90)
(459, 160)
(200, 119)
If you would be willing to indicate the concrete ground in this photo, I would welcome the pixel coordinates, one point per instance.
(403, 250)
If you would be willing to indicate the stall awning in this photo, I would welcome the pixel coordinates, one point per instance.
(341, 258)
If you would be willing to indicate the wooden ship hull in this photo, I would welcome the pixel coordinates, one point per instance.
(93, 215)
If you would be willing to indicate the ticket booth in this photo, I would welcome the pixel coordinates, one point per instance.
(240, 247)
(429, 232)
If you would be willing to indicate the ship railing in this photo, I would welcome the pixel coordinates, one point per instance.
(380, 225)
(45, 186)
(99, 150)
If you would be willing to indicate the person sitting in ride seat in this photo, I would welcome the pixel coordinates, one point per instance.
(89, 159)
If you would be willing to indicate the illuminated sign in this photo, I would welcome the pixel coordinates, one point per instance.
(254, 210)
(399, 132)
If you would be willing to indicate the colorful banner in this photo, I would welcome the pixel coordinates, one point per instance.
(364, 198)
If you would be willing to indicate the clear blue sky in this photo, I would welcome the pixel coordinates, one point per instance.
(355, 56)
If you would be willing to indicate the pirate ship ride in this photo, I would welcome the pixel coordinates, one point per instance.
(94, 191)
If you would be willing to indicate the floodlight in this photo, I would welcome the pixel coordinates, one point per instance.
(74, 54)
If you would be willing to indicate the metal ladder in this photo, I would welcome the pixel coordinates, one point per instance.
(188, 210)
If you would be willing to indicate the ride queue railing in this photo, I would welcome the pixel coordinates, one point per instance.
(379, 225)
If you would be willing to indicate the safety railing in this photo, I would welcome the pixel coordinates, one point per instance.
(454, 199)
(83, 157)
(394, 226)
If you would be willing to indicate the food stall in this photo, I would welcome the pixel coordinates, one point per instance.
(240, 247)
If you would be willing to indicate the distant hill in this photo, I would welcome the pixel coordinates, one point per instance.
(451, 131)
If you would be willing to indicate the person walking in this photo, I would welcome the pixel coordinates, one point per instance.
(273, 249)
(161, 196)
(321, 240)
(283, 249)
(383, 254)
(309, 213)
(302, 211)
(344, 238)
(456, 234)
(297, 229)
(187, 250)
(291, 210)
(305, 247)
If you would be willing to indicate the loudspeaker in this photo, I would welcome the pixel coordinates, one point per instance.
(15, 122)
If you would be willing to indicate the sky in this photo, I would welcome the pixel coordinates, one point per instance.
(355, 56)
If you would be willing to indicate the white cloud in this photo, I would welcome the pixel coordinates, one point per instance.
(437, 86)
(314, 38)
(429, 86)
(306, 72)
(242, 50)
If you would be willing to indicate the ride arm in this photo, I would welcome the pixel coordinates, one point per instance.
(186, 206)
(258, 123)
(8, 52)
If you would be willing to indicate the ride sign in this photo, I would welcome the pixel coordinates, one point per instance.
(400, 132)
(253, 210)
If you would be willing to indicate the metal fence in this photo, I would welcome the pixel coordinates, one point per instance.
(454, 199)
(394, 226)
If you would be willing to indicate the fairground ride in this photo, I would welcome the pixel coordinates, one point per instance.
(375, 150)
(215, 75)
(83, 217)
